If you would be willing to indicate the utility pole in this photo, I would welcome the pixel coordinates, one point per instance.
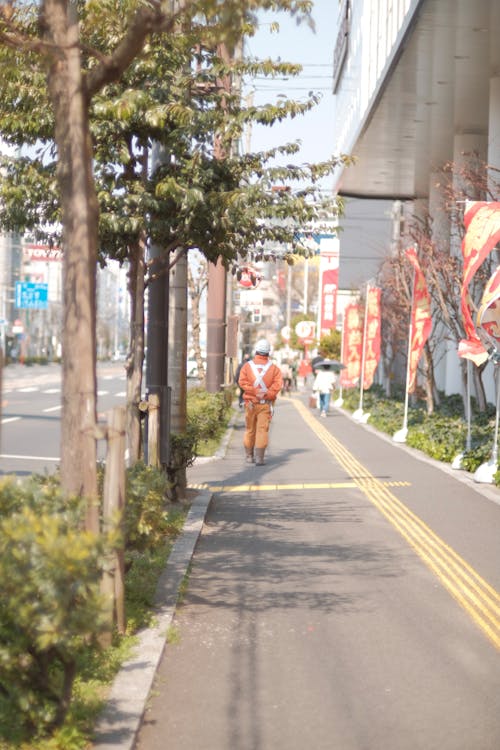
(216, 293)
(157, 333)
(216, 326)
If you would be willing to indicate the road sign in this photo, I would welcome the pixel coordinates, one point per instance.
(248, 277)
(31, 296)
(305, 330)
(286, 332)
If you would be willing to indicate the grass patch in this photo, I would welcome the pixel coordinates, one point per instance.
(208, 447)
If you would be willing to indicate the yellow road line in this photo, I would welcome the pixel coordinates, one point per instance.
(276, 487)
(480, 600)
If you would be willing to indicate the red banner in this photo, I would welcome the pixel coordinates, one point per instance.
(372, 343)
(329, 275)
(482, 225)
(488, 316)
(329, 284)
(421, 320)
(352, 343)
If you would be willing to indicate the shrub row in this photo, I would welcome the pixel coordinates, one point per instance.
(51, 608)
(441, 435)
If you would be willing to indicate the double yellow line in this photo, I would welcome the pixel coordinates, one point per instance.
(235, 488)
(480, 600)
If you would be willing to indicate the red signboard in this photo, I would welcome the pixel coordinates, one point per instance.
(42, 253)
(352, 346)
(372, 341)
(248, 277)
(329, 276)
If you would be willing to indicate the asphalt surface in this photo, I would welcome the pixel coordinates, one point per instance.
(341, 597)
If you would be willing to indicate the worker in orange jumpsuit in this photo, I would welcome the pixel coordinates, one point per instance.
(261, 382)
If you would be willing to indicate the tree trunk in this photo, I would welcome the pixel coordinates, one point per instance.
(482, 402)
(177, 358)
(196, 288)
(429, 379)
(135, 361)
(79, 216)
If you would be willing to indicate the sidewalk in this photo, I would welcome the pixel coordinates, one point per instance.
(288, 573)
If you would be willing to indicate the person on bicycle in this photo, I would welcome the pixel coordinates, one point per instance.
(286, 374)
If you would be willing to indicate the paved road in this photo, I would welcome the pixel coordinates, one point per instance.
(342, 597)
(31, 414)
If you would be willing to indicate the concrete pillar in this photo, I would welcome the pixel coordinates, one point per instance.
(494, 129)
(439, 209)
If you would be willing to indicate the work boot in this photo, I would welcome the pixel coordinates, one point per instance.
(249, 458)
(259, 456)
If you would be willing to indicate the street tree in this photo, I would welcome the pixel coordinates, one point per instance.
(209, 202)
(197, 287)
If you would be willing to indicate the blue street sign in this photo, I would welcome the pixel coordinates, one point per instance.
(31, 296)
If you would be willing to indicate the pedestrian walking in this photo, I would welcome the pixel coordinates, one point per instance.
(323, 385)
(261, 382)
(304, 370)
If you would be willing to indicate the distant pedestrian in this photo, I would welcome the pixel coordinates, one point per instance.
(245, 359)
(286, 374)
(304, 370)
(323, 385)
(261, 382)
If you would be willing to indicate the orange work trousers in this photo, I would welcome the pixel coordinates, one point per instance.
(257, 421)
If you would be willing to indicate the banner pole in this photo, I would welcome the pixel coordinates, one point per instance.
(358, 414)
(494, 454)
(486, 472)
(468, 440)
(339, 401)
(400, 435)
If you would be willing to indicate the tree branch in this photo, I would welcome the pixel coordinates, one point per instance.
(144, 22)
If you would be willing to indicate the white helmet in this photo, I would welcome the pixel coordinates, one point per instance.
(263, 347)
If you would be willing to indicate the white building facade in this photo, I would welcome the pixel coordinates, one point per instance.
(417, 86)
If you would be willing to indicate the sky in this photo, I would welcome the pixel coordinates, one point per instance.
(314, 51)
(363, 243)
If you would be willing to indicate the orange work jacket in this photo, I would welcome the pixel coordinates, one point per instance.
(252, 390)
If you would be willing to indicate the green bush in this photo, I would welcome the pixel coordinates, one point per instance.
(440, 435)
(147, 522)
(50, 605)
(208, 413)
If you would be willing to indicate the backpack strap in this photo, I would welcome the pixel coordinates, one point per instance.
(259, 371)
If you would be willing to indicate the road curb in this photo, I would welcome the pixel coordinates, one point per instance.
(120, 721)
(488, 491)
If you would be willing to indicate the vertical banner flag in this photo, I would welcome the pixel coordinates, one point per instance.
(421, 320)
(329, 279)
(372, 343)
(488, 315)
(352, 345)
(326, 244)
(482, 233)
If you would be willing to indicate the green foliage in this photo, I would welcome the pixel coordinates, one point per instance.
(50, 604)
(329, 345)
(183, 449)
(52, 671)
(208, 412)
(441, 435)
(192, 199)
(474, 457)
(294, 339)
(148, 522)
(143, 571)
